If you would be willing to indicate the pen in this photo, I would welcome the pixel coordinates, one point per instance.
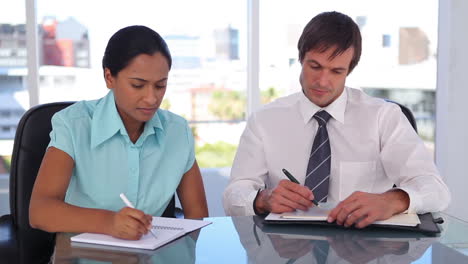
(291, 178)
(129, 204)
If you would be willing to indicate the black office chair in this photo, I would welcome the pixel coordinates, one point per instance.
(20, 243)
(407, 112)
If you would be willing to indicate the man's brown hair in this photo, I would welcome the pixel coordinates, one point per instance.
(331, 29)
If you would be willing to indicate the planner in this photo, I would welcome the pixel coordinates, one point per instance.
(166, 229)
(321, 213)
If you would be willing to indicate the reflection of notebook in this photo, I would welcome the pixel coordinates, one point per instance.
(166, 229)
(356, 237)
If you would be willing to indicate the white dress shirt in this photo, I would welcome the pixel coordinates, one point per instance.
(373, 146)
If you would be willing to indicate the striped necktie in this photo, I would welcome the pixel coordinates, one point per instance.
(318, 169)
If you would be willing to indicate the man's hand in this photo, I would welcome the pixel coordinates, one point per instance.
(362, 209)
(286, 197)
(290, 248)
(356, 249)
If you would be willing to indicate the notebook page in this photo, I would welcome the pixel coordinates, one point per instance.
(313, 213)
(321, 214)
(401, 220)
(188, 225)
(166, 229)
(147, 241)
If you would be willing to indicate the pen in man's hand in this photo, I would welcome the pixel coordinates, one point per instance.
(291, 178)
(129, 204)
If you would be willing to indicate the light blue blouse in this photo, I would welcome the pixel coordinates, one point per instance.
(107, 163)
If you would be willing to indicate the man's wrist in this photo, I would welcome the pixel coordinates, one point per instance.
(258, 203)
(399, 199)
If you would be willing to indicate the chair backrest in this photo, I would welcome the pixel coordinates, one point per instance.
(31, 140)
(407, 112)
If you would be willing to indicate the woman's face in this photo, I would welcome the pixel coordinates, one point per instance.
(139, 88)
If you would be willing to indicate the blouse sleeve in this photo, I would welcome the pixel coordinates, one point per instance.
(61, 136)
(190, 145)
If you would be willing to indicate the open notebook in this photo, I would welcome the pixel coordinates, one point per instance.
(321, 213)
(166, 229)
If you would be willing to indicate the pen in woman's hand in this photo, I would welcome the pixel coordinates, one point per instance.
(291, 178)
(129, 204)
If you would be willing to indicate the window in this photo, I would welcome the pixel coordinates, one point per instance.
(209, 47)
(386, 40)
(208, 76)
(13, 94)
(398, 59)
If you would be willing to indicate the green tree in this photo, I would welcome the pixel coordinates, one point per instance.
(228, 105)
(269, 95)
(194, 131)
(219, 154)
(5, 163)
(165, 104)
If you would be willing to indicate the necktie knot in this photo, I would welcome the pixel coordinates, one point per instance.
(322, 117)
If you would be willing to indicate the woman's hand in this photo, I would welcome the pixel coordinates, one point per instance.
(129, 223)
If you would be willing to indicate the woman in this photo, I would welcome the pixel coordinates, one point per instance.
(121, 143)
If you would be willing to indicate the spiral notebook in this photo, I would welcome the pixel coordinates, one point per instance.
(166, 229)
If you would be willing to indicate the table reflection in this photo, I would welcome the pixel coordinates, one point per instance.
(316, 244)
(24, 245)
(246, 240)
(180, 251)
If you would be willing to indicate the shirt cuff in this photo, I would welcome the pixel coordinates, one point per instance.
(249, 210)
(253, 205)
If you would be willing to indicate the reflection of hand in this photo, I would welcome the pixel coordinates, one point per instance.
(359, 250)
(69, 254)
(362, 209)
(286, 197)
(130, 224)
(108, 256)
(290, 248)
(194, 235)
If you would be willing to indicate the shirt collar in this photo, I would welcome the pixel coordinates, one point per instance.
(336, 109)
(150, 128)
(106, 122)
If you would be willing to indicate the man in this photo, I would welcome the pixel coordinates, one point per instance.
(342, 145)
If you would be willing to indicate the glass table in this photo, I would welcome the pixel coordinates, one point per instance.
(248, 240)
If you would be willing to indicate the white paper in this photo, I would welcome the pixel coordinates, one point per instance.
(146, 242)
(321, 214)
(401, 220)
(188, 225)
(166, 229)
(314, 213)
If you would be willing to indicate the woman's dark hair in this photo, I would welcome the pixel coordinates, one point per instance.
(330, 29)
(129, 42)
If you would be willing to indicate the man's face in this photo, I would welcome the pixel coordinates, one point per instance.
(323, 79)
